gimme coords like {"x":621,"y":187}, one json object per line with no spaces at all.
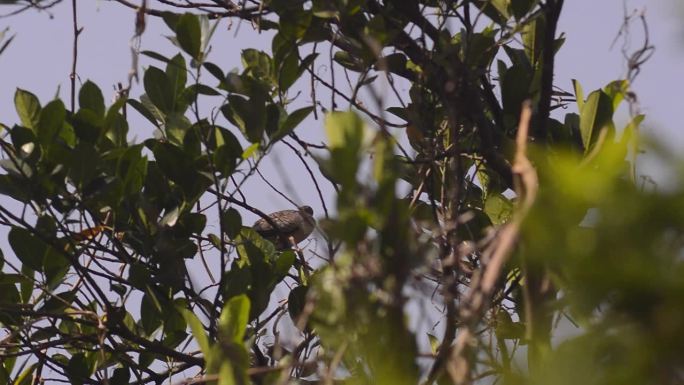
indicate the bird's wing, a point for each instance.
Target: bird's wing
{"x":287,"y":222}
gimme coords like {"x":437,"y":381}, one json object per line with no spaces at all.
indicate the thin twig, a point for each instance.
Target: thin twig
{"x":74,"y":59}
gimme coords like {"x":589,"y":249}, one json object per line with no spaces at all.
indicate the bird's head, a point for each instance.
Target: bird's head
{"x":306,"y":209}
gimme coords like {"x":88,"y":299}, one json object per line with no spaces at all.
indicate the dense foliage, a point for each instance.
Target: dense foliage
{"x":479,"y":234}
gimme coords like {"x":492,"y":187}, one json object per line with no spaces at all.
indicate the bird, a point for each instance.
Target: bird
{"x":292,"y":227}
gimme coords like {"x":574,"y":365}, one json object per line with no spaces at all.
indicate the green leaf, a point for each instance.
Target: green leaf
{"x":28,"y":108}
{"x":24,"y":139}
{"x":215,"y":70}
{"x":30,"y":249}
{"x":17,"y":167}
{"x":26,"y":285}
{"x":481,"y":49}
{"x":596,"y":113}
{"x":176,"y":72}
{"x":296,"y":302}
{"x":434,"y":343}
{"x":232,"y":222}
{"x":349,"y":61}
{"x":83,"y":164}
{"x":51,"y":121}
{"x":170,"y":218}
{"x":518,"y":58}
{"x":275,"y":116}
{"x":150,"y":313}
{"x":177,"y":125}
{"x":5,"y":370}
{"x":248,"y":115}
{"x":133,"y":169}
{"x":189,"y":34}
{"x":226,"y":374}
{"x":58,"y":302}
{"x":207,"y":31}
{"x":228,"y":153}
{"x":116,"y":129}
{"x":289,"y":70}
{"x":138,"y":276}
{"x":633,"y":126}
{"x":155,"y":55}
{"x":179,"y":166}
{"x":617,"y":90}
{"x":250,"y":151}
{"x":532,"y":35}
{"x":579,"y":94}
{"x":331,"y":302}
{"x":201,"y":89}
{"x":154,"y":110}
{"x":506,"y":328}
{"x":283,"y":263}
{"x":258,"y":63}
{"x":87,"y":125}
{"x":90,"y":97}
{"x":291,"y":122}
{"x":515,"y":88}
{"x":325,"y":9}
{"x":294,"y":22}
{"x":55,"y":266}
{"x":197,"y":330}
{"x":307,"y":61}
{"x":171,"y":19}
{"x":344,"y":130}
{"x":498,"y":208}
{"x":293,"y":119}
{"x":238,"y":279}
{"x":234,"y":318}
{"x":13,"y":187}
{"x":120,"y":376}
{"x":252,"y":247}
{"x":46,"y":226}
{"x":400,"y":112}
{"x":225,"y":159}
{"x":194,"y":222}
{"x":159,"y":89}
{"x":118,"y":289}
{"x":144,"y":111}
{"x":172,"y":161}
{"x":490,"y":181}
{"x":520,"y":8}
{"x":395,"y":63}
{"x":78,"y":368}
{"x":10,"y":295}
{"x":215,"y":241}
{"x":502,"y":7}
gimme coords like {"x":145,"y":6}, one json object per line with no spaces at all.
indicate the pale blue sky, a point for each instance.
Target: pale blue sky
{"x":39,"y":58}
{"x":587,"y":56}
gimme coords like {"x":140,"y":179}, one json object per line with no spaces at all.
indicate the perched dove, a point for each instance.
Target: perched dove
{"x":292,"y":226}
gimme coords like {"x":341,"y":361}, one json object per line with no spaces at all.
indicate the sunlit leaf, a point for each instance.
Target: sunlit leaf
{"x":234,"y":318}
{"x":28,"y":108}
{"x":197,"y":329}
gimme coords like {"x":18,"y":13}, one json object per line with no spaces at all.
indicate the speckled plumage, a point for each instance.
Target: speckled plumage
{"x":295,"y":224}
